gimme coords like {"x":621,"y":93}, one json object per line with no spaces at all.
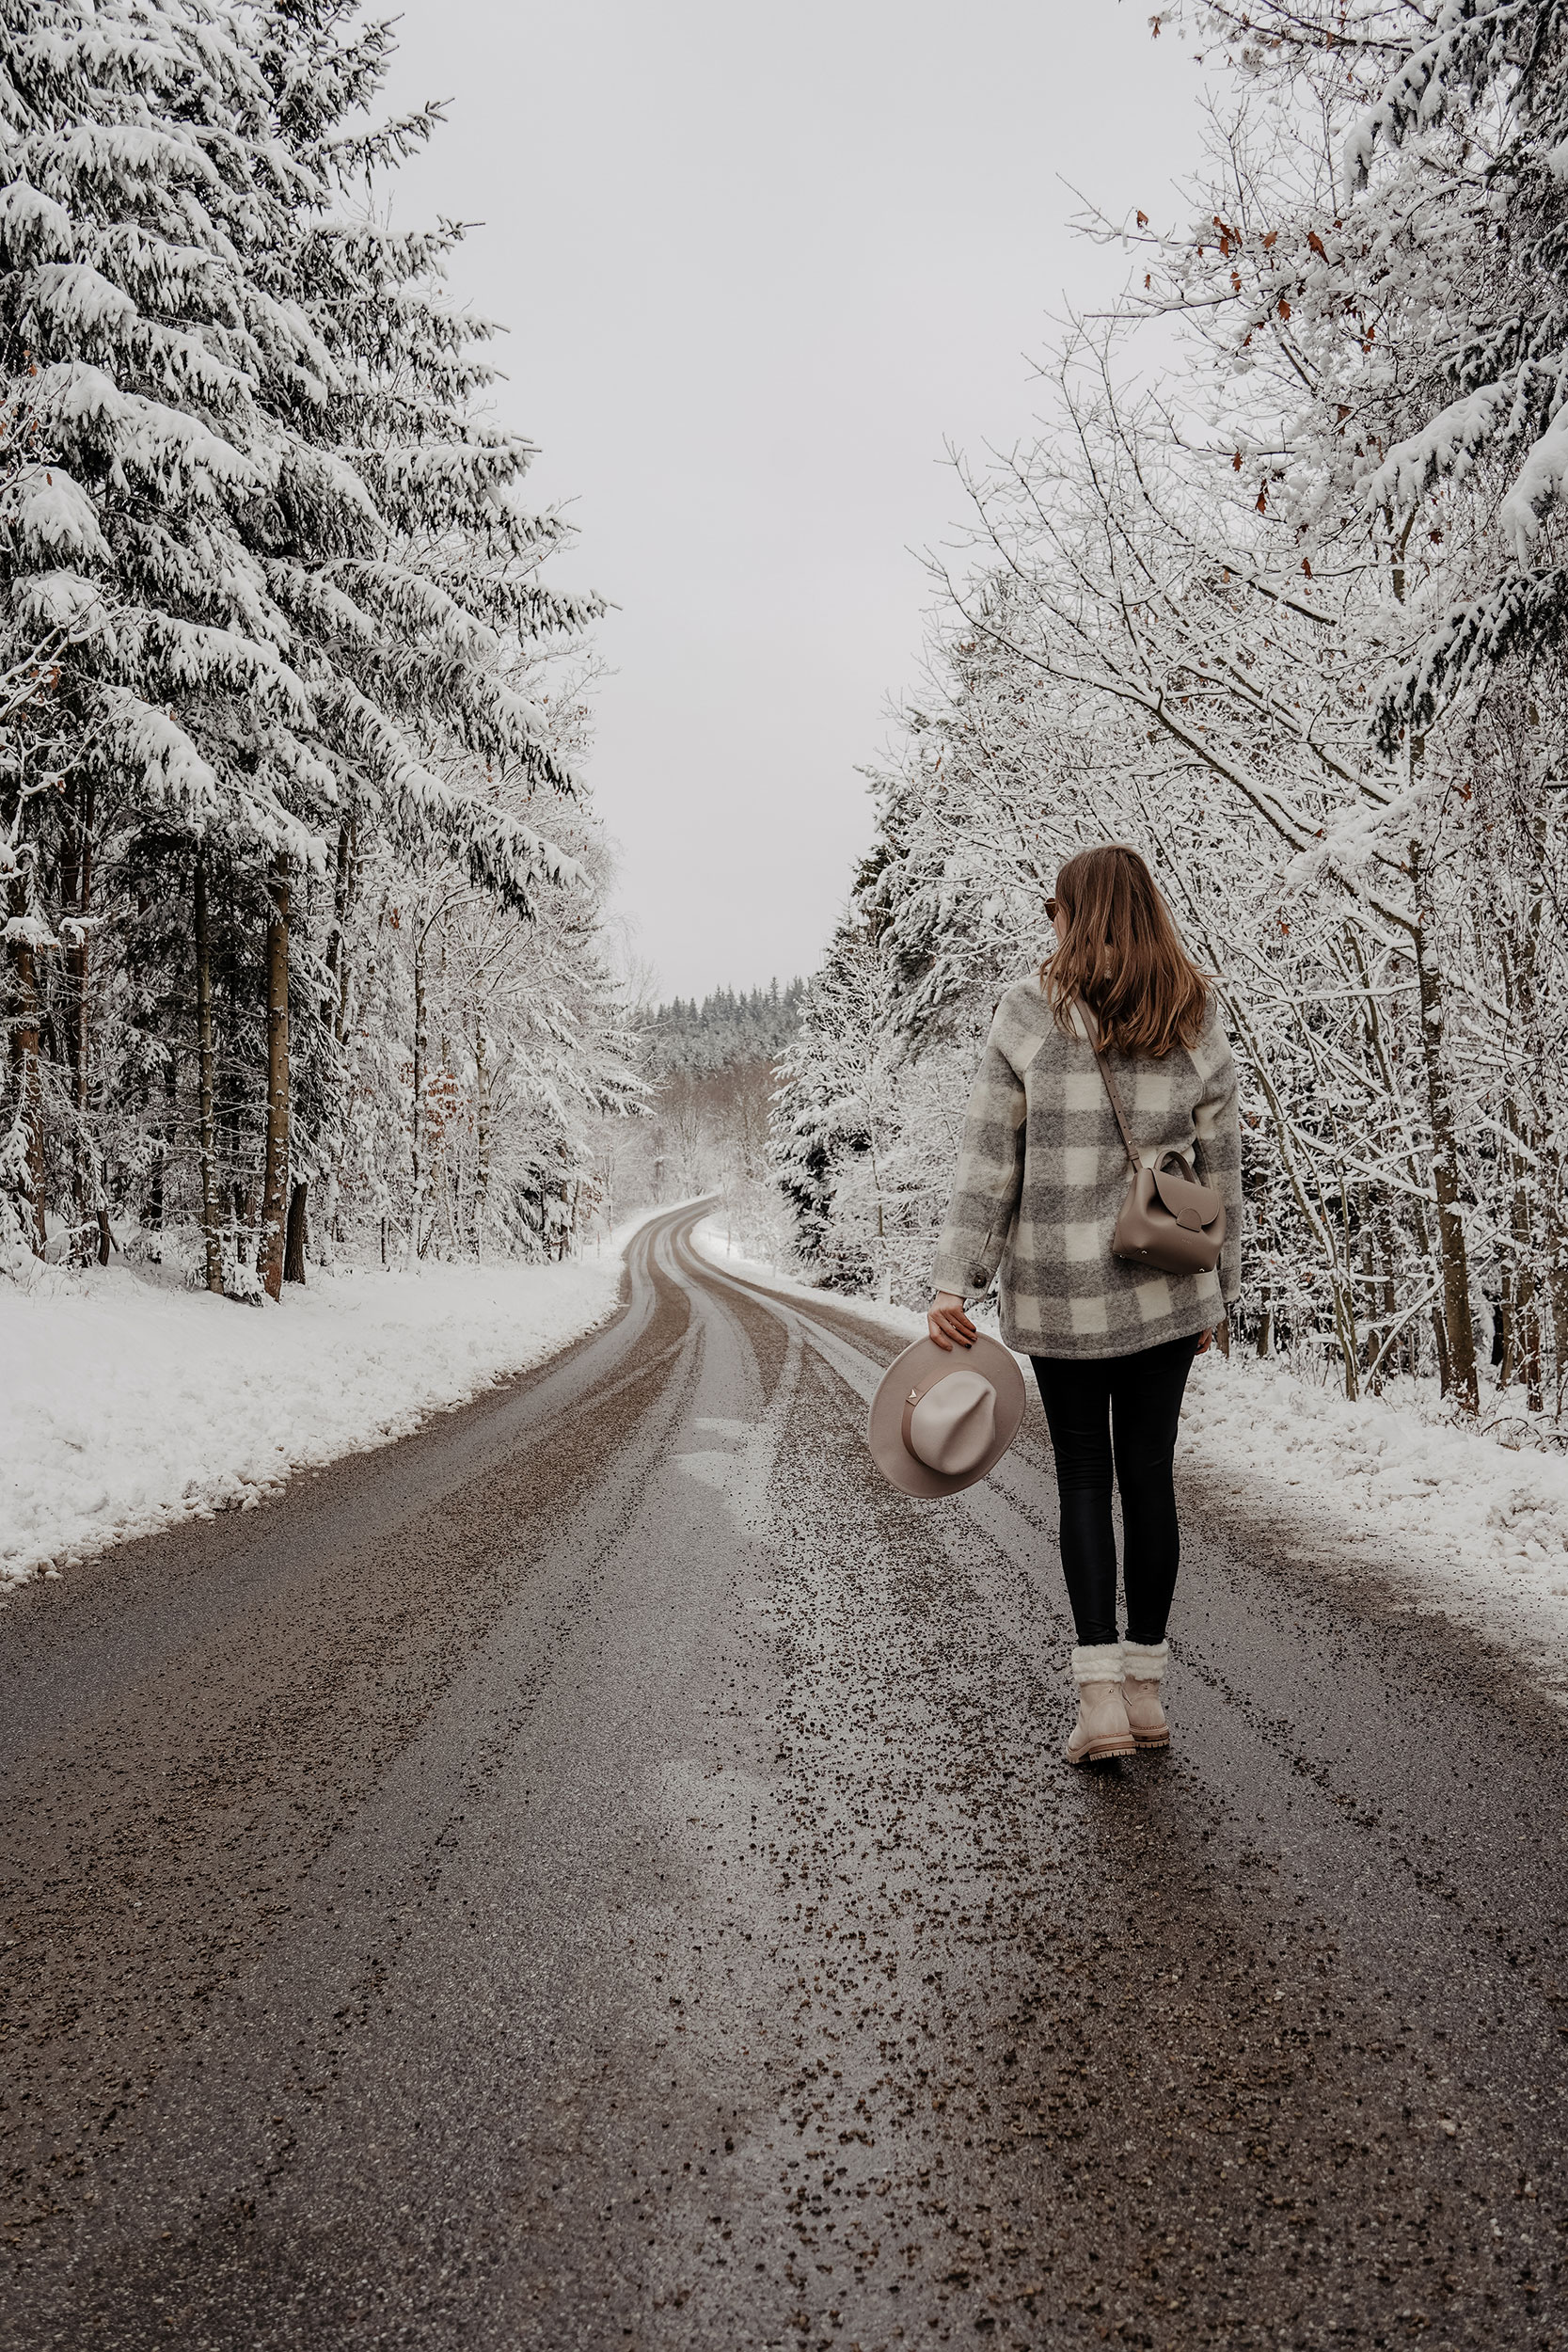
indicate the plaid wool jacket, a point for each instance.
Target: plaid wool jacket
{"x":1042,"y":1175}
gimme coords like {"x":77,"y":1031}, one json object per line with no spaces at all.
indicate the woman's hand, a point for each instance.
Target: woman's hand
{"x":946,"y":1324}
{"x":1204,"y":1338}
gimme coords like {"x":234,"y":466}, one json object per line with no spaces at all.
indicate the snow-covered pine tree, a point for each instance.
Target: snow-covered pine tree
{"x":861,"y":1148}
{"x":117,"y":302}
{"x":725,"y":1027}
{"x":294,"y":578}
{"x":411,"y":577}
{"x":35,"y":632}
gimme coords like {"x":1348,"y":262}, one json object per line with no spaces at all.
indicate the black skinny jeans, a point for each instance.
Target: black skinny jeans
{"x":1140,"y":1397}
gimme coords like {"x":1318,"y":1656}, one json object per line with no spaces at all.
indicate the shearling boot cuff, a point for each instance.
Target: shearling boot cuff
{"x":1145,"y":1662}
{"x":1101,"y":1661}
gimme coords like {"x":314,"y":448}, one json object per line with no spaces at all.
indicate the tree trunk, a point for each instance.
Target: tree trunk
{"x":1557,"y":1293}
{"x":231,"y":1145}
{"x":157,"y":1201}
{"x":421,"y":1044}
{"x":153,"y":1215}
{"x":1527,"y":1312}
{"x":1522,"y":1348}
{"x":442,"y":1156}
{"x":1344,"y":1302}
{"x":448,"y":1219}
{"x":294,"y":1249}
{"x":27,"y":1073}
{"x":1458,"y":1329}
{"x":1527,"y":1114}
{"x":1390,"y":1081}
{"x":334,"y":1011}
{"x":1390,"y":1295}
{"x":211,"y":1238}
{"x":76,"y":884}
{"x":334,"y":958}
{"x":481,"y":1102}
{"x":1371,"y":1329}
{"x":337,"y":1015}
{"x":277,"y":1170}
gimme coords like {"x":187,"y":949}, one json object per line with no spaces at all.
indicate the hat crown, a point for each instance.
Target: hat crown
{"x":938,"y":1423}
{"x":953,"y":1427}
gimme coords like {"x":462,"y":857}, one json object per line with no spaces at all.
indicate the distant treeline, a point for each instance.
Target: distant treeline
{"x":724,"y":1029}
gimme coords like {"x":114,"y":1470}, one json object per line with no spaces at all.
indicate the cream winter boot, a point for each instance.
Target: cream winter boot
{"x":1143,"y":1666}
{"x":1102,"y":1729}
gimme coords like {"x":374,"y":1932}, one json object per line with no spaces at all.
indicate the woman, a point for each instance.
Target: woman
{"x":1042,"y":1175}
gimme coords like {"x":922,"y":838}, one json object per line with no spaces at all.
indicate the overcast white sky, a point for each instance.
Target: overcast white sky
{"x":759,"y":265}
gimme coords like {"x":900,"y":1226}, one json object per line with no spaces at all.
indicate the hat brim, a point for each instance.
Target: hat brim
{"x":914,"y":1368}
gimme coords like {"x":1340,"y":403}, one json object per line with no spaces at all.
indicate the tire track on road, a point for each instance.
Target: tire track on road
{"x":672,"y":1923}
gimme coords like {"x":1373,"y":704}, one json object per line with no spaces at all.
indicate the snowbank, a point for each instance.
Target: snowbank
{"x":125,"y":1404}
{"x":1447,"y":1517}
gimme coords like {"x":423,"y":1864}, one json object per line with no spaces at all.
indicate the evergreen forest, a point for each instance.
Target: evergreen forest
{"x":302,"y":885}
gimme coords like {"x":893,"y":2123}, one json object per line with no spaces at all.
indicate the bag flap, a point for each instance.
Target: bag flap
{"x":1192,"y":1204}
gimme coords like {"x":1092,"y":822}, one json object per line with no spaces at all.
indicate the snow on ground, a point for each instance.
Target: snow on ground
{"x":1447,"y":1518}
{"x":126,"y":1404}
{"x":713,"y":1243}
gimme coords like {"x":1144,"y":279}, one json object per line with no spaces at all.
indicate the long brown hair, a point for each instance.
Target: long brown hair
{"x":1123,"y":956}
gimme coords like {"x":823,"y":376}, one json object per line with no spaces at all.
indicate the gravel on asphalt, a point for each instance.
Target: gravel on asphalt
{"x":602,"y":1872}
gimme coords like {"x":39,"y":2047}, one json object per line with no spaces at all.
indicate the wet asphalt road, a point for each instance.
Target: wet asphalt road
{"x":601,"y":1873}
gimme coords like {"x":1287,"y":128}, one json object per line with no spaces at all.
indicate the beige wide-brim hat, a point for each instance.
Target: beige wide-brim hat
{"x":940,"y":1422}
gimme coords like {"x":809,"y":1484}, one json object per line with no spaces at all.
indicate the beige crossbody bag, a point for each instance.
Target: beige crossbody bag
{"x":1168,"y":1219}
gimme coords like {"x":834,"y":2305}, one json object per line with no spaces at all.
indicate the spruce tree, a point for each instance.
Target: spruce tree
{"x":273,"y":593}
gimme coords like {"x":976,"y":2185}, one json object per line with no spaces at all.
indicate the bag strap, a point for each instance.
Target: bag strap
{"x":1091,"y":1031}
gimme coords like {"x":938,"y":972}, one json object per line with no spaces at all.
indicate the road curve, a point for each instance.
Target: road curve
{"x":601,"y":1873}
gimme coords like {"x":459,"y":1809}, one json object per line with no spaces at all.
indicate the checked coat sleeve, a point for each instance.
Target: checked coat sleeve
{"x":990,"y":1177}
